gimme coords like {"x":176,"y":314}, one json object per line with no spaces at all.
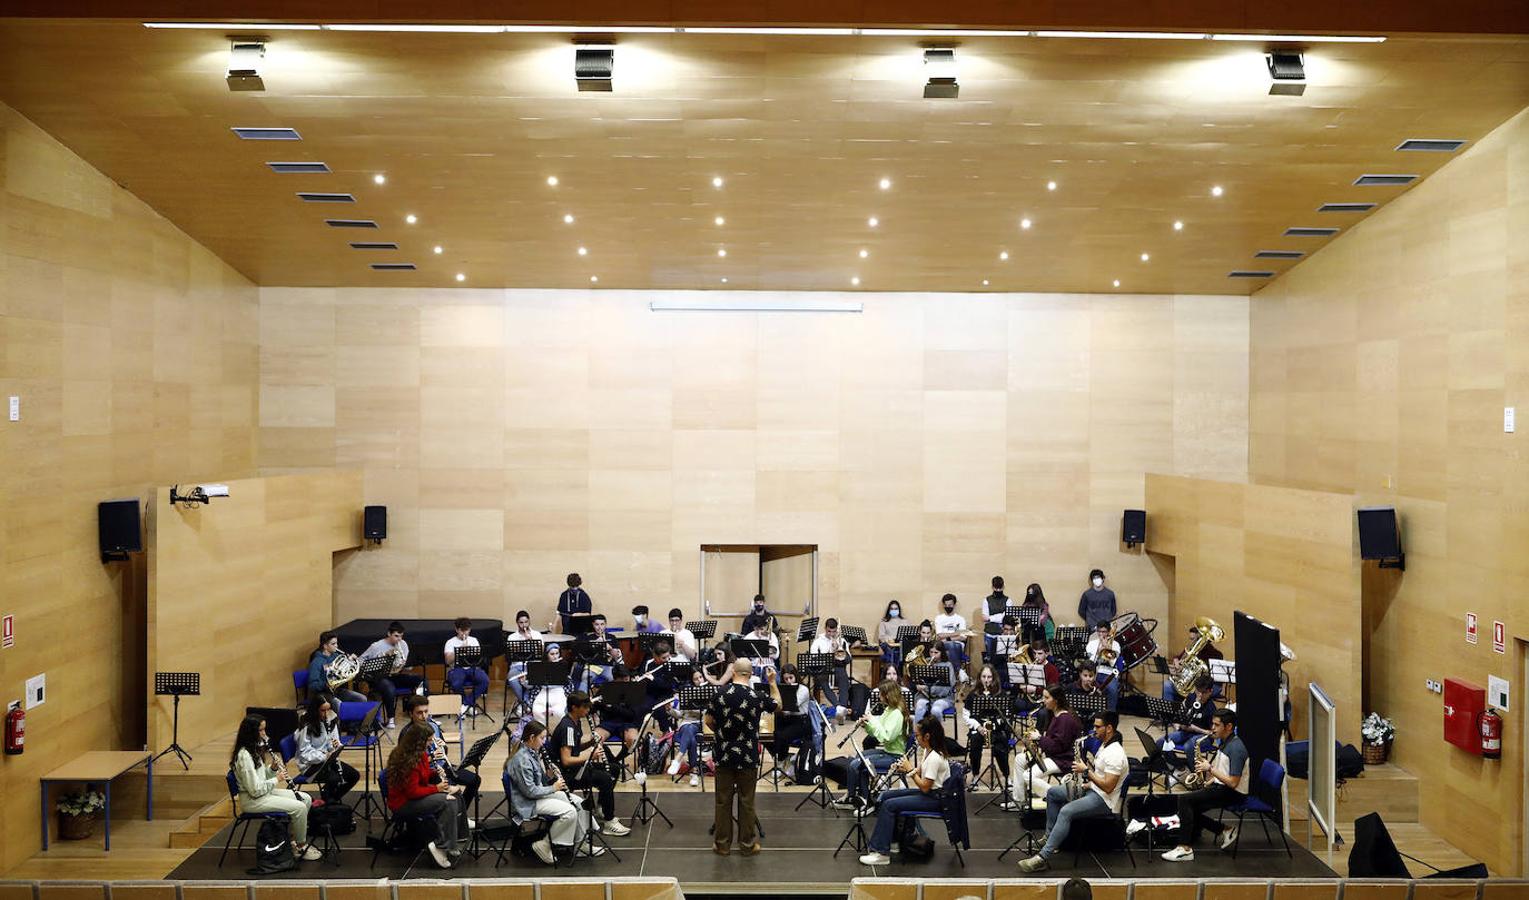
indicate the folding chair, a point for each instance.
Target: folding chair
{"x":243,"y":820}
{"x":1271,"y":775}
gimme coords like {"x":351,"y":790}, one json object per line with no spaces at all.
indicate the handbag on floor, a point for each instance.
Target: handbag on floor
{"x":273,"y":848}
{"x":337,"y":818}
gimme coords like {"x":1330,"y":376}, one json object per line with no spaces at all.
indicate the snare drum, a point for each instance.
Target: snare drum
{"x":1135,"y":636}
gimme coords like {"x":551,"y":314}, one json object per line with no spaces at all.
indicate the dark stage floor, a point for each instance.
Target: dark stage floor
{"x":797,"y":858}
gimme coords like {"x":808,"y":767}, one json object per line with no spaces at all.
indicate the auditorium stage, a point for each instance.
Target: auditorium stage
{"x":797,"y":857}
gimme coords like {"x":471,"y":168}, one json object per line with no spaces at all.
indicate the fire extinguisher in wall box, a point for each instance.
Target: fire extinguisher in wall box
{"x":15,"y":730}
{"x":1491,"y":734}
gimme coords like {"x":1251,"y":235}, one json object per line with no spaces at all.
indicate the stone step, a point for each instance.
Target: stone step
{"x":1386,"y":789}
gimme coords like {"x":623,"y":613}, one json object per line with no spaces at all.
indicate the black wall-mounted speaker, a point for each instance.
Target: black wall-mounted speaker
{"x":120,"y":527}
{"x":1133,"y":526}
{"x":1379,"y":538}
{"x":374,"y":523}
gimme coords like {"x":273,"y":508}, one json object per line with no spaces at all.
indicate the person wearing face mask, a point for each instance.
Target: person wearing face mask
{"x":758,"y":613}
{"x":993,"y":609}
{"x":642,"y":624}
{"x":886,"y":636}
{"x":950,"y":630}
{"x":1097,"y":604}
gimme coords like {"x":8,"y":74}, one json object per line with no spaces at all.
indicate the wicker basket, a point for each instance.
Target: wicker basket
{"x":1376,"y":754}
{"x":76,"y":828}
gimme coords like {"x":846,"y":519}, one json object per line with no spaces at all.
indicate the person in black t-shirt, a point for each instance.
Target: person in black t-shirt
{"x":573,"y":746}
{"x":733,"y":717}
{"x":1194,"y":716}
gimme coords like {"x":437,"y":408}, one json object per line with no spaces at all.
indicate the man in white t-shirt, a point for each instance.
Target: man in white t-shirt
{"x":831,"y":642}
{"x":950,"y":629}
{"x":686,"y":649}
{"x":523,"y":632}
{"x":1107,"y":783}
{"x":469,"y":681}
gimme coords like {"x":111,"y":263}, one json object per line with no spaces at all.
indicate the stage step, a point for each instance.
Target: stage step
{"x":1386,"y":789}
{"x":177,"y":794}
{"x":198,"y":828}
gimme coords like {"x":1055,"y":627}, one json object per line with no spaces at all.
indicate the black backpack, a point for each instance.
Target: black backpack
{"x":915,"y":846}
{"x":336,"y":818}
{"x":809,"y":764}
{"x":273,"y":848}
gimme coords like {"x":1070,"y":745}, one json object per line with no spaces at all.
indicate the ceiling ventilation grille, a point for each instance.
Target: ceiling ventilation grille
{"x":320,"y":197}
{"x":268,"y":134}
{"x":1426,"y":145}
{"x":1383,"y":180}
{"x":1249,"y":273}
{"x":1310,"y":232}
{"x":1345,"y":207}
{"x":350,"y":223}
{"x":298,"y":168}
{"x":1279,"y":254}
{"x":373,"y":245}
{"x":393,"y":267}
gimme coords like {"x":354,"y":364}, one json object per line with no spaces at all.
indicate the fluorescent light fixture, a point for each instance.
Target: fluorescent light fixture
{"x":756,"y":306}
{"x":422,"y":29}
{"x":1303,"y":38}
{"x":1128,"y":35}
{"x":1287,"y":73}
{"x":244,"y":58}
{"x":940,"y":67}
{"x":588,"y":29}
{"x":938,"y":32}
{"x":232,"y":26}
{"x":747,"y":30}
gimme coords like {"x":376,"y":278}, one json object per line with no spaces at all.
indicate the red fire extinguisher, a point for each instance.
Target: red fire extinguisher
{"x":15,"y":730}
{"x":1491,"y":734}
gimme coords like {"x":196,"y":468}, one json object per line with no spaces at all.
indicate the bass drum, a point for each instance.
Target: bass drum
{"x":1135,"y":636}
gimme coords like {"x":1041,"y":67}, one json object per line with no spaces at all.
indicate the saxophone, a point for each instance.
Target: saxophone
{"x":1195,"y":779}
{"x":1076,"y":784}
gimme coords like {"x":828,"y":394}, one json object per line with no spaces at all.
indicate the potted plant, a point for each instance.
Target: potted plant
{"x":1378,"y":733}
{"x":77,"y":814}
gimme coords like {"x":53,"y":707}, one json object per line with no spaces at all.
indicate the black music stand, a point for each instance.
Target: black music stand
{"x":1092,"y":704}
{"x":470,"y":657}
{"x":474,"y":758}
{"x":518,"y":651}
{"x":375,"y":669}
{"x":853,"y":634}
{"x":807,"y":630}
{"x":176,"y":685}
{"x":992,"y":708}
{"x":581,"y":624}
{"x":368,"y":737}
{"x":1160,"y":711}
{"x":819,"y":794}
{"x":786,"y":705}
{"x":751,"y":648}
{"x":542,"y":675}
{"x":703,"y":629}
{"x":1030,"y":623}
{"x":647,"y":808}
{"x":697,"y":698}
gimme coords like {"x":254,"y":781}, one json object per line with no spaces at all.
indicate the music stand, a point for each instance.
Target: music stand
{"x":474,"y":758}
{"x":471,"y":657}
{"x":697,"y":698}
{"x":1160,"y":711}
{"x":1030,"y":622}
{"x":807,"y":630}
{"x":703,"y":629}
{"x":750,"y":648}
{"x":787,"y":705}
{"x":542,"y":675}
{"x":517,"y":650}
{"x":876,"y":707}
{"x":175,"y":685}
{"x":647,"y":807}
{"x":1092,"y":704}
{"x":375,"y":669}
{"x":1029,"y":677}
{"x":853,"y":634}
{"x":366,"y":732}
{"x":581,"y":623}
{"x":821,"y":786}
{"x":1223,"y":671}
{"x":1155,"y":761}
{"x":992,"y":708}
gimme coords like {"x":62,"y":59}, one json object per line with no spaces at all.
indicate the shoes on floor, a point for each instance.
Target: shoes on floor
{"x":614,"y":828}
{"x":392,"y":724}
{"x":845,"y":803}
{"x":721,"y":851}
{"x":694,"y":779}
{"x":875,"y":859}
{"x":1228,"y":838}
{"x":1136,"y":826}
{"x":472,"y":824}
{"x":439,"y":855}
{"x":543,"y":851}
{"x":1178,"y":854}
{"x":1036,"y":863}
{"x":587,"y":852}
{"x":674,"y":767}
{"x":1039,"y":803}
{"x":312,"y":853}
{"x":750,"y":850}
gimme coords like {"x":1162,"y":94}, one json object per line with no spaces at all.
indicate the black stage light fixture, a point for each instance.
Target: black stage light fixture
{"x":1287,"y":68}
{"x":593,"y":66}
{"x":940,"y":66}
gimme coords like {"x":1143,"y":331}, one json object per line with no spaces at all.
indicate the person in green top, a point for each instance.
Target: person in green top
{"x":889,"y":731}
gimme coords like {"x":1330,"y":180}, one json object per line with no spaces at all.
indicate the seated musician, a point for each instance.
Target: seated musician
{"x":1105,"y":782}
{"x":934,"y":699}
{"x":317,"y":740}
{"x":950,"y":629}
{"x":886,"y":635}
{"x":1104,"y":650}
{"x":417,"y":708}
{"x":887,"y":735}
{"x":793,"y":726}
{"x":470,"y":682}
{"x":523,"y":632}
{"x":758,"y":611}
{"x":686,"y":647}
{"x":1088,"y":683}
{"x":998,"y":732}
{"x":717,"y":665}
{"x":1036,"y":654}
{"x":573,"y":746}
{"x":1062,"y":729}
{"x":392,"y":645}
{"x":618,"y":720}
{"x":548,"y":702}
{"x":318,"y":681}
{"x":658,"y":674}
{"x":263,"y":787}
{"x":1194,"y":716}
{"x":642,"y":624}
{"x":1223,"y":768}
{"x":762,"y":632}
{"x":836,"y":689}
{"x":1207,"y":653}
{"x":599,"y":673}
{"x":928,"y":777}
{"x":537,"y":789}
{"x":687,"y":733}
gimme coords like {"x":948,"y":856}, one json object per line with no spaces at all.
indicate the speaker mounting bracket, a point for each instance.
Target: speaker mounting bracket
{"x":1400,"y":563}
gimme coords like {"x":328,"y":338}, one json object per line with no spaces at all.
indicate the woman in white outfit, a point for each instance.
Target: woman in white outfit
{"x":262,"y":781}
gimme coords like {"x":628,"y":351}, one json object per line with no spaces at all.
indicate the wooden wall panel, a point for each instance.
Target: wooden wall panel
{"x":924,"y":445}
{"x":135,"y":354}
{"x":1380,"y":367}
{"x":239,"y":590}
{"x":1285,"y":555}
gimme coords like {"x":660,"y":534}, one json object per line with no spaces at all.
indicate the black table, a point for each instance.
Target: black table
{"x":426,"y":637}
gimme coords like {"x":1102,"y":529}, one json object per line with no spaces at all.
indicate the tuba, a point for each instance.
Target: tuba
{"x":341,"y":670}
{"x":1190,"y":670}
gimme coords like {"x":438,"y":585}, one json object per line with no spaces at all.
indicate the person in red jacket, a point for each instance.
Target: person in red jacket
{"x":415,"y":790}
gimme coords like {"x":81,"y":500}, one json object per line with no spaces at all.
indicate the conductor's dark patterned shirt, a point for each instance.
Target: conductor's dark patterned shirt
{"x":735,"y":710}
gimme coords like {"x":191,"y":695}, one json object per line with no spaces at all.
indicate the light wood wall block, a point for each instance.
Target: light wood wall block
{"x":135,"y":354}
{"x":1157,"y":890}
{"x":1283,"y":555}
{"x":1024,"y":890}
{"x":1380,"y":368}
{"x":924,"y":445}
{"x":1228,"y":890}
{"x":239,"y":590}
{"x":884,"y":889}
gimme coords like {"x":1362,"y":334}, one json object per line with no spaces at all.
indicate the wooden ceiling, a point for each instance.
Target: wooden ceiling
{"x":467,"y":128}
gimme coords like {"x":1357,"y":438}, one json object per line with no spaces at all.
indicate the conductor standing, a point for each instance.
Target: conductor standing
{"x":733,"y":716}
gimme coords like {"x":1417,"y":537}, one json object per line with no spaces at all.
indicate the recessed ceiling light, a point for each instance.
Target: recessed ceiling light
{"x":411,"y":218}
{"x":873,"y":221}
{"x":461,"y":276}
{"x":886,"y":184}
{"x":1215,"y":190}
{"x":855,"y":281}
{"x":1003,"y":254}
{"x":583,"y":251}
{"x":439,"y":249}
{"x":721,"y":251}
{"x":864,"y":253}
{"x":1145,"y":257}
{"x":1025,"y":224}
{"x":724,"y":281}
{"x":380,"y":178}
{"x":984,"y":282}
{"x":567,"y":218}
{"x":1117,"y":282}
{"x":720,"y":221}
{"x":716,"y":181}
{"x":1178,"y":226}
{"x":1051,"y":185}
{"x":594,"y":279}
{"x":551,"y":181}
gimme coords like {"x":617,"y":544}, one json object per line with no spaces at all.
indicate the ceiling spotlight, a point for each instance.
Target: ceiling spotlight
{"x":583,"y":251}
{"x":461,"y":276}
{"x":716,"y":181}
{"x":1216,"y":191}
{"x":551,"y":181}
{"x":1051,"y":185}
{"x":567,"y":218}
{"x":724,"y":281}
{"x":886,"y":184}
{"x":1003,"y":254}
{"x":873,"y":221}
{"x":594,"y":279}
{"x":855,"y":282}
{"x":1117,"y":282}
{"x":439,"y":249}
{"x":1178,"y":226}
{"x":1025,"y":224}
{"x":864,"y":253}
{"x":379,"y":178}
{"x":1145,"y":257}
{"x":244,"y":58}
{"x":940,"y":66}
{"x":1287,"y":69}
{"x":721,"y":251}
{"x":593,"y":65}
{"x":984,"y":282}
{"x":720,"y":221}
{"x":411,"y":218}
